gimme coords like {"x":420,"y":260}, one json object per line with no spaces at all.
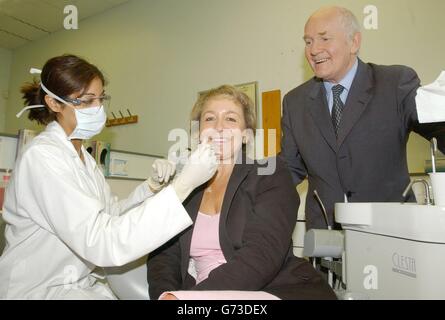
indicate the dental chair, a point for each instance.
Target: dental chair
{"x":384,"y":250}
{"x":129,"y":282}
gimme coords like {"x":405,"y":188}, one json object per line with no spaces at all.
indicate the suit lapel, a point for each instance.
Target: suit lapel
{"x":319,"y":110}
{"x":240,"y":172}
{"x":358,"y":98}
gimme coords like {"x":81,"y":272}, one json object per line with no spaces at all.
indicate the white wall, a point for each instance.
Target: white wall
{"x":157,"y":54}
{"x":5,"y":68}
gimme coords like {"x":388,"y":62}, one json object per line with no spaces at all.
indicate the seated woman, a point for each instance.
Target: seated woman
{"x":241,"y":240}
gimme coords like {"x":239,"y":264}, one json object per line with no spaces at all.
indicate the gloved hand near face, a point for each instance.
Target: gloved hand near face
{"x":200,"y":167}
{"x":162,"y":172}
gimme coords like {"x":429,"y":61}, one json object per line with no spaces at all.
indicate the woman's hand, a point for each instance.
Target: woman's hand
{"x":162,"y":171}
{"x":200,"y":167}
{"x":168,"y":296}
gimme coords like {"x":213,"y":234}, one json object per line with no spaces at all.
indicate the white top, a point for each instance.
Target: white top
{"x":63,"y":221}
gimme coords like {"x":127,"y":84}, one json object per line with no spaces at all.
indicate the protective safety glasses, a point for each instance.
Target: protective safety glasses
{"x":90,"y":101}
{"x":85,"y":102}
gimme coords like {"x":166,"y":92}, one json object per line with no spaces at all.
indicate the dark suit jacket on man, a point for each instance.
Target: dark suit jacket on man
{"x":257,"y":219}
{"x":367,"y":162}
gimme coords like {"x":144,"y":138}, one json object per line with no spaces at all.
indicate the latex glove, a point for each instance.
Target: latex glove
{"x":179,"y":159}
{"x":200,"y":167}
{"x":162,"y":171}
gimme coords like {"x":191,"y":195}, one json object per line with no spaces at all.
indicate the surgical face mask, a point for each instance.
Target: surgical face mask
{"x":90,"y":121}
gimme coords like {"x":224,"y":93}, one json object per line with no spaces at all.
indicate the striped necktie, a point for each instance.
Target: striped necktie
{"x":337,"y":107}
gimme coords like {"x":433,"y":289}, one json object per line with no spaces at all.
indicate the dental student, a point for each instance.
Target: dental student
{"x":62,"y":219}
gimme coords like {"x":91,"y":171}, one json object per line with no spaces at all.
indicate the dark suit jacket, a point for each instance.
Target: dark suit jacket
{"x":257,"y":219}
{"x":367,"y":162}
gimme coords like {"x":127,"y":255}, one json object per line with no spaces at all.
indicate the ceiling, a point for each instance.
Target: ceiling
{"x":23,"y":21}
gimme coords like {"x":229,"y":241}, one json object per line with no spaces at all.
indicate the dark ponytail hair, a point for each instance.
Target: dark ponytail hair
{"x":63,"y":75}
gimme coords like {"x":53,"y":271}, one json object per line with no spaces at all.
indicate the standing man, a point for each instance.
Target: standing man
{"x":347,"y":128}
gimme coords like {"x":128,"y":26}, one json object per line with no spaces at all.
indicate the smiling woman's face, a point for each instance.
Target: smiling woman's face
{"x":222,"y":124}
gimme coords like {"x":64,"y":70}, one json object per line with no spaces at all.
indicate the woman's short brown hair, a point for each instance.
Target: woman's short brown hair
{"x":227,"y":92}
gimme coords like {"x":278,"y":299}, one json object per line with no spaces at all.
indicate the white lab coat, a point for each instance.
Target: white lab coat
{"x":63,"y":221}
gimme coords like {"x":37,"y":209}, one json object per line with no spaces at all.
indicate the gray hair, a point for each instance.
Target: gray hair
{"x":350,"y":22}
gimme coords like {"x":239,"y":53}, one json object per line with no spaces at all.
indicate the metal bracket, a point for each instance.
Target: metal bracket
{"x":334,"y":266}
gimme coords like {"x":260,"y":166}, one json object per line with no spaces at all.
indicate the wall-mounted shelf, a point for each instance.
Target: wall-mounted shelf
{"x":122,"y":120}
